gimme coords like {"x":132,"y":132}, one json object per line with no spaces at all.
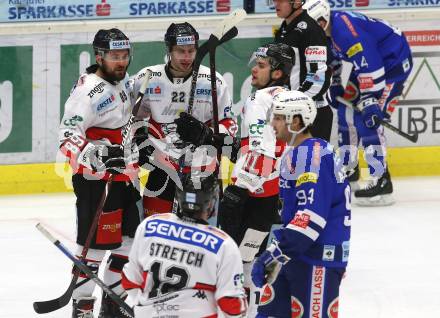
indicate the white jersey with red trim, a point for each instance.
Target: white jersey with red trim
{"x":166,"y":97}
{"x":178,"y":268}
{"x":96,"y":110}
{"x":256,"y":168}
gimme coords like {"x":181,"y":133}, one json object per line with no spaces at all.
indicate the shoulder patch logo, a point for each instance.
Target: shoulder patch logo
{"x":302,"y":25}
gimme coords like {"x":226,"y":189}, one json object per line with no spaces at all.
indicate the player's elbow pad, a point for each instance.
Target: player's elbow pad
{"x":233,"y":306}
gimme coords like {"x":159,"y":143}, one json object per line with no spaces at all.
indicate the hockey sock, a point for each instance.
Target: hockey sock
{"x":85,"y":286}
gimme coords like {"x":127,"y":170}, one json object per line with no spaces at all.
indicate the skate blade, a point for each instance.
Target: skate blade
{"x":378,"y":200}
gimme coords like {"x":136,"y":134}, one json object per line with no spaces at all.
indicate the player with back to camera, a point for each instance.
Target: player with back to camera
{"x":382,"y":62}
{"x":181,"y":266}
{"x":302,"y":269}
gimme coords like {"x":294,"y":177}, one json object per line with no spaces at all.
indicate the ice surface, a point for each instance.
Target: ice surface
{"x":394,"y":266}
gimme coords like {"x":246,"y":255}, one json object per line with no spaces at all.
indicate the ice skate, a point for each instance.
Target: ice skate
{"x":377,"y":193}
{"x":83,"y":307}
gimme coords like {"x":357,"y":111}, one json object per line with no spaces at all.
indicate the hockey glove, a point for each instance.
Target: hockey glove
{"x":335,"y":90}
{"x":228,"y":145}
{"x":109,"y":158}
{"x":371,"y":112}
{"x":230,"y":210}
{"x":268,"y":265}
{"x":145,"y":147}
{"x":193,"y":130}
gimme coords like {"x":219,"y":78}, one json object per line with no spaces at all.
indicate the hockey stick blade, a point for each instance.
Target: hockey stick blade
{"x":413,"y":138}
{"x":83,"y":267}
{"x":44,"y":307}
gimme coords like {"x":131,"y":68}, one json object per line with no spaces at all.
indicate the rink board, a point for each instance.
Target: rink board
{"x":48,"y":177}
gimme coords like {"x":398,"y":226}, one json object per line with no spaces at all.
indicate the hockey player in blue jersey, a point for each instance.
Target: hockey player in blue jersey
{"x":381,"y":59}
{"x":302,"y":269}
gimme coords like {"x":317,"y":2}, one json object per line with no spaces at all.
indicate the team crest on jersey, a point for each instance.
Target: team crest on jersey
{"x":267,"y":295}
{"x":296,"y":308}
{"x":274,"y":91}
{"x":302,"y":25}
{"x":333,"y":308}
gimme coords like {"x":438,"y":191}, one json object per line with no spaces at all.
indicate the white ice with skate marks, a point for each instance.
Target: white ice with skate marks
{"x":393,"y":268}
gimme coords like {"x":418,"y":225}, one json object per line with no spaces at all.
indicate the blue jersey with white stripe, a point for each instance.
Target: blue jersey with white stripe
{"x":377,"y":50}
{"x":316,"y":205}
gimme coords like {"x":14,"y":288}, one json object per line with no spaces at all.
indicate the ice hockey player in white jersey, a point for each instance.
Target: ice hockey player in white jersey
{"x":166,"y":97}
{"x":182,"y":267}
{"x":249,"y":207}
{"x":90,"y":137}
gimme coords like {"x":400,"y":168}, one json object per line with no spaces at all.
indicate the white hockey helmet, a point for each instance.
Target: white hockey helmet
{"x":294,"y":103}
{"x":318,"y":9}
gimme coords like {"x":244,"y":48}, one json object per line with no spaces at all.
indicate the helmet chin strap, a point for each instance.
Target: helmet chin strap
{"x":292,"y":2}
{"x":294,"y":133}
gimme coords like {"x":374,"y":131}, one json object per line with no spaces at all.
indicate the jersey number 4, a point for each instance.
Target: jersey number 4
{"x":166,"y":280}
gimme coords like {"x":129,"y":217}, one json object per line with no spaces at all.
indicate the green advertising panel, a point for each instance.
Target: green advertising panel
{"x":16,"y":99}
{"x":231,"y":57}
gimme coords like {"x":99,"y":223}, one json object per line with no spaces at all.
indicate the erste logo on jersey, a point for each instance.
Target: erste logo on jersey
{"x":184,"y":234}
{"x":154,"y":89}
{"x":107,"y":101}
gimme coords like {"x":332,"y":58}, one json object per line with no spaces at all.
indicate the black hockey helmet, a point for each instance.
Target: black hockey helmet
{"x":113,"y":39}
{"x":281,"y":56}
{"x":198,"y":194}
{"x":271,"y":6}
{"x":181,"y":34}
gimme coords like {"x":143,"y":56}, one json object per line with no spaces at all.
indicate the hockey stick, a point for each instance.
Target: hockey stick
{"x":412,"y":138}
{"x":203,"y":49}
{"x":127,"y":128}
{"x":83,"y":267}
{"x":223,"y":33}
{"x":219,"y":33}
{"x":215,"y":122}
{"x":43,"y":307}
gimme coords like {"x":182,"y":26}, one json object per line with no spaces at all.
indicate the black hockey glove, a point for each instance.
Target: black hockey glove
{"x":228,"y":145}
{"x":231,"y":210}
{"x":110,"y":158}
{"x":193,"y":131}
{"x":145,"y":147}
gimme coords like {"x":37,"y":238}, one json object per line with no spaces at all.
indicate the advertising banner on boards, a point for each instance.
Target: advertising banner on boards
{"x":62,"y":10}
